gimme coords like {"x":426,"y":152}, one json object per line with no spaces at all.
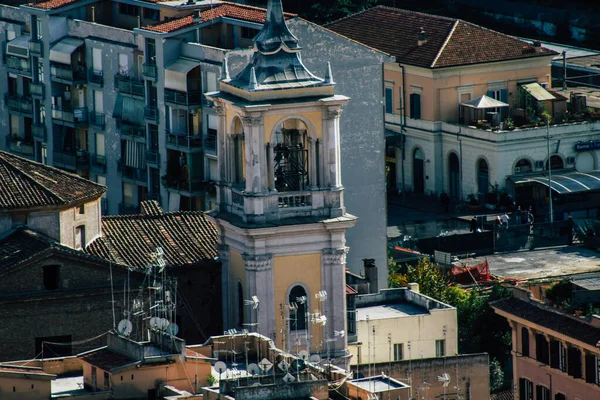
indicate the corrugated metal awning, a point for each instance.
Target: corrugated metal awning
{"x":563,"y":182}
{"x":19,"y":46}
{"x":176,"y":74}
{"x":538,"y":92}
{"x":61,"y":51}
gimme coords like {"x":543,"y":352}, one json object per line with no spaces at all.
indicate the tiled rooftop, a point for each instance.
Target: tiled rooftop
{"x":186,"y":237}
{"x":106,"y":359}
{"x":449,"y":41}
{"x":26,"y":184}
{"x":52,"y":4}
{"x":230,"y":10}
{"x":550,"y":319}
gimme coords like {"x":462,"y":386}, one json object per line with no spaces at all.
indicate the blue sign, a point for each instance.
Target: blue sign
{"x":585,"y":146}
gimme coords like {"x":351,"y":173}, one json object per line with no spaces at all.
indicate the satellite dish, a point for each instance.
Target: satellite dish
{"x":173,"y":329}
{"x":125,"y":327}
{"x":220,"y":367}
{"x":265,"y":365}
{"x":163,"y":323}
{"x":153,"y":322}
{"x":303,"y":354}
{"x":298,"y":365}
{"x":253,"y":369}
{"x":288,"y":378}
{"x":314,"y":359}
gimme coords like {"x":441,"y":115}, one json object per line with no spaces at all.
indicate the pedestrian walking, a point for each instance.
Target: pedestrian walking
{"x":505,"y":219}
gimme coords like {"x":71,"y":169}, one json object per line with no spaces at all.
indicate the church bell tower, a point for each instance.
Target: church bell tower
{"x":280,"y":207}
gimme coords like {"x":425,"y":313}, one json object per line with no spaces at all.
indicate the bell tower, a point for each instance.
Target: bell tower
{"x":280,"y":206}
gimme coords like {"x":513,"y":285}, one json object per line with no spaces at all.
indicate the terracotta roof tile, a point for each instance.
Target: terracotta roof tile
{"x":26,"y":184}
{"x":230,"y":10}
{"x":503,"y":395}
{"x":350,"y":290}
{"x":186,"y":237}
{"x":450,"y":42}
{"x":52,"y":4}
{"x":106,"y":359}
{"x":551,"y":319}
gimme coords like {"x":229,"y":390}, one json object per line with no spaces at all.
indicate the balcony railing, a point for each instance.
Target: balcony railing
{"x":37,"y":90}
{"x":68,"y":74}
{"x":95,"y":76}
{"x":151,"y":113}
{"x":72,"y":160}
{"x":192,"y":186}
{"x":294,"y":200}
{"x":128,"y":85}
{"x":137,"y":175}
{"x":19,"y":104}
{"x":210,"y":142}
{"x":75,"y":116}
{"x":174,"y":97}
{"x":184,"y":141}
{"x":18,"y":65}
{"x":36,"y":48}
{"x":131,"y":130}
{"x":39,"y":131}
{"x":97,"y":119}
{"x":19,"y":146}
{"x":149,"y":71}
{"x":153,"y":157}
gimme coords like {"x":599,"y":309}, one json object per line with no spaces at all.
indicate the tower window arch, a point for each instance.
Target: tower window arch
{"x":291,"y":157}
{"x":237,"y":152}
{"x":298,"y":317}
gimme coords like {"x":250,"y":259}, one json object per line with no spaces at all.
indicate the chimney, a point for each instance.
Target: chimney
{"x":371,"y":274}
{"x":537,"y":45}
{"x":414,"y":287}
{"x":422,"y":37}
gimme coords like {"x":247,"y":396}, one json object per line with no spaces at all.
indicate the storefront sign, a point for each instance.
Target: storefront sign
{"x":586,"y":146}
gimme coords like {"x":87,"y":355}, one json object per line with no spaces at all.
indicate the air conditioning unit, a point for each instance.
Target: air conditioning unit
{"x":570,"y":160}
{"x":539,"y":164}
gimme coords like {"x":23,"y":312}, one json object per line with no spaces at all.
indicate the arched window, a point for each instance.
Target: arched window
{"x":483,"y":178}
{"x":237,"y":153}
{"x":298,"y":317}
{"x":556,"y":162}
{"x":240,"y":305}
{"x":523,"y":166}
{"x":290,"y":153}
{"x":525,"y":342}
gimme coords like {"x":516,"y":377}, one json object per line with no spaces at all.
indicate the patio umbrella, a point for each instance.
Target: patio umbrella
{"x":483,"y":103}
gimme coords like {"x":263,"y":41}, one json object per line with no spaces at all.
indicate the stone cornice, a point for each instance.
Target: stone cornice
{"x":334,"y":256}
{"x":261,"y":262}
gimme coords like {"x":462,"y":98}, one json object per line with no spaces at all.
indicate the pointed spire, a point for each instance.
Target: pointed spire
{"x":225,"y":72}
{"x":275,"y":33}
{"x":252,"y":83}
{"x":328,"y":74}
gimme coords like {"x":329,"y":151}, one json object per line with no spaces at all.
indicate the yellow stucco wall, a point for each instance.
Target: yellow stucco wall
{"x":237,"y":272}
{"x":315,"y":118}
{"x":291,"y":270}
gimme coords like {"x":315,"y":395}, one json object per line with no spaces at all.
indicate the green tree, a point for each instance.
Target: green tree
{"x":496,"y":375}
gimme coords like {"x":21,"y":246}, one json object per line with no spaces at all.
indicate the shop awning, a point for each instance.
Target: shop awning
{"x":484,"y":102}
{"x":176,"y":74}
{"x":61,"y":51}
{"x":563,"y":182}
{"x":19,"y":46}
{"x":538,"y":92}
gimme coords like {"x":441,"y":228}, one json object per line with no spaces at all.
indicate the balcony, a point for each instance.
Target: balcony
{"x":95,"y":77}
{"x":39,"y":131}
{"x":174,"y":98}
{"x":133,"y":131}
{"x":183,"y":142}
{"x":37,"y":90}
{"x":129,"y":86}
{"x":153,"y":157}
{"x":72,"y":160}
{"x":294,"y":200}
{"x":19,"y":104}
{"x":132,"y":174}
{"x":19,"y":146}
{"x":210,"y":142}
{"x":186,"y":187}
{"x":18,"y":65}
{"x":149,"y":71}
{"x":128,"y":209}
{"x":36,"y":48}
{"x":151,"y":114}
{"x":71,"y":75}
{"x":99,"y":163}
{"x":74,"y":117}
{"x":97,"y":119}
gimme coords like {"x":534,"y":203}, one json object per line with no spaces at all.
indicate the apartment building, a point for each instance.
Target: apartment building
{"x":555,"y":355}
{"x":114,"y":91}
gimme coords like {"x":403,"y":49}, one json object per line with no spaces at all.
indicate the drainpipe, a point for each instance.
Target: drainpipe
{"x":564,"y":54}
{"x":403,"y":127}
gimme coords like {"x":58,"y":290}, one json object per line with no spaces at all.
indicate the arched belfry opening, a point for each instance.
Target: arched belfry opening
{"x":291,"y":156}
{"x":237,"y":152}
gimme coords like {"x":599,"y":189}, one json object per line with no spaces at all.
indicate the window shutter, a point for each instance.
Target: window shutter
{"x":529,"y":390}
{"x":504,"y":99}
{"x":522,"y":388}
{"x":590,"y":368}
{"x":417,"y":106}
{"x":554,"y":353}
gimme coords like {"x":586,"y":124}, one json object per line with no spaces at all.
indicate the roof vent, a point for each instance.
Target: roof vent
{"x":190,"y":2}
{"x":422,"y":37}
{"x":537,"y":45}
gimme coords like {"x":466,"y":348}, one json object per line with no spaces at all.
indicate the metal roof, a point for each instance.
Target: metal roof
{"x":538,"y":92}
{"x":61,"y":51}
{"x":563,"y":182}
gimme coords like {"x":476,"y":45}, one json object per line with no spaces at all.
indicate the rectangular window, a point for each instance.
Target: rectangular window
{"x":248,"y":33}
{"x":525,"y":389}
{"x":541,"y":349}
{"x":152,"y":14}
{"x":211,"y":82}
{"x":106,"y":381}
{"x":97,"y":59}
{"x":100,"y":145}
{"x":128,"y":9}
{"x":81,"y":209}
{"x":128,"y":194}
{"x":51,"y":277}
{"x":415,"y":106}
{"x":79,"y":237}
{"x":542,"y":393}
{"x":398,"y":351}
{"x":38,"y":28}
{"x":389,"y":100}
{"x":440,"y":348}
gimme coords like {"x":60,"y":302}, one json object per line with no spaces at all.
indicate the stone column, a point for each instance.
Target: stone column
{"x":333,"y":280}
{"x":221,"y":159}
{"x":270,"y":168}
{"x":260,"y":283}
{"x":312,"y":154}
{"x":223,"y":251}
{"x":331,"y":134}
{"x":253,"y":132}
